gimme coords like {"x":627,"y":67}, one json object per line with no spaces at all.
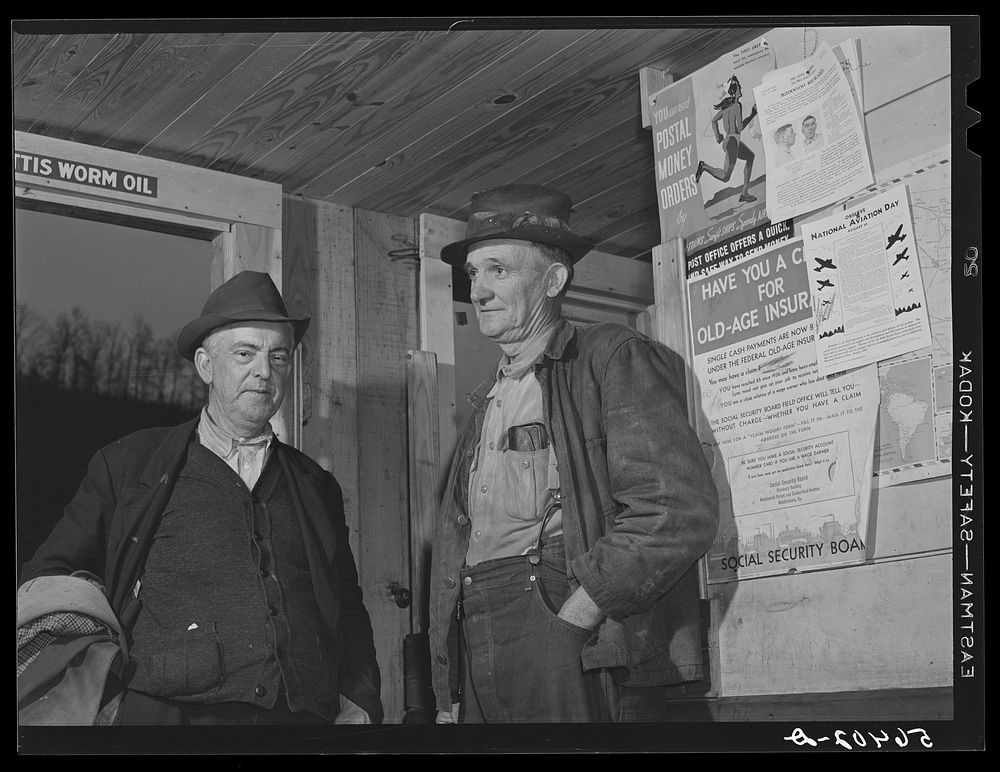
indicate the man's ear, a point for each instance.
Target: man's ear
{"x":203,"y":364}
{"x":555,"y":279}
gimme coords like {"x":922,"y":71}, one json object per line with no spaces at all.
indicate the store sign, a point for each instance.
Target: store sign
{"x":84,"y":174}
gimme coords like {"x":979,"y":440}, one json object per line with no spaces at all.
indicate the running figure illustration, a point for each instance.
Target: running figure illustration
{"x":730,"y":113}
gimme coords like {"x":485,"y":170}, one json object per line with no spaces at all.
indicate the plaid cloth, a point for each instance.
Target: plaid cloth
{"x":33,"y":637}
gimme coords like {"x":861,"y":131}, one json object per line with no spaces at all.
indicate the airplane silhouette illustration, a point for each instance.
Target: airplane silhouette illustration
{"x":894,"y":237}
{"x":905,"y":275}
{"x":825,"y":283}
{"x":900,"y":256}
{"x":824,"y":264}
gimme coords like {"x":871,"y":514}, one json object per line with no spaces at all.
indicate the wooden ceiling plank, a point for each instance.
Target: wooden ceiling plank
{"x":621,"y":222}
{"x":582,"y":102}
{"x":607,"y":172}
{"x":614,"y":204}
{"x":228,"y":134}
{"x":574,"y":170}
{"x":523,"y":80}
{"x":358,"y":94}
{"x":379,"y":140}
{"x":49,"y":74}
{"x":577,"y":155}
{"x":229,"y":92}
{"x":679,"y":49}
{"x":26,"y":54}
{"x":124,"y":54}
{"x":296,"y":98}
{"x":395,"y":95}
{"x":176,"y":81}
{"x":151,"y":69}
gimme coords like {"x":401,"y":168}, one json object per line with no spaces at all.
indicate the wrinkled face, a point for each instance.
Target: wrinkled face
{"x":809,"y":128}
{"x":512,"y":289}
{"x":245,"y":366}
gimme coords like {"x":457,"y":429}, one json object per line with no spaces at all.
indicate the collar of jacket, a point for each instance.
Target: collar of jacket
{"x":558,"y":348}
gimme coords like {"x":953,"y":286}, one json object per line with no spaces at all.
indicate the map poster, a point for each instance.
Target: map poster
{"x":914,"y":438}
{"x":791,"y":450}
{"x":709,"y":161}
{"x":866,"y":286}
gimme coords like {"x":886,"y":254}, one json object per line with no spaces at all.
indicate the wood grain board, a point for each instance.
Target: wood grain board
{"x":393,"y":120}
{"x":880,"y":626}
{"x":386,"y":309}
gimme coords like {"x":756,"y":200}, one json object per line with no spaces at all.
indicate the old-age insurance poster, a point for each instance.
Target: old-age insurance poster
{"x":791,"y":450}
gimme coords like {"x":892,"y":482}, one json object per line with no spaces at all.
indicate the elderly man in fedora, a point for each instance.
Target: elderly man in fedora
{"x":564,"y":582}
{"x":224,"y":552}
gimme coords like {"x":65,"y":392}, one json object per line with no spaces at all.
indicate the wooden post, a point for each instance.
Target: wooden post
{"x":386,"y":310}
{"x":651,"y":80}
{"x":422,"y":409}
{"x":319,"y":280}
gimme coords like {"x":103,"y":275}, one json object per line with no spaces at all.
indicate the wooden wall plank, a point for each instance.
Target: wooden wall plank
{"x":229,"y":91}
{"x":319,"y":280}
{"x":424,"y":462}
{"x":912,"y":518}
{"x":884,"y":705}
{"x":926,"y":114}
{"x":375,"y":141}
{"x":600,"y":274}
{"x":386,"y":308}
{"x":436,"y":329}
{"x":415,"y":76}
{"x":878,"y":626}
{"x":264,"y":114}
{"x":179,"y":77}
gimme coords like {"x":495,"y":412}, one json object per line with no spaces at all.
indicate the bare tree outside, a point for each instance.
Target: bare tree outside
{"x":96,"y":356}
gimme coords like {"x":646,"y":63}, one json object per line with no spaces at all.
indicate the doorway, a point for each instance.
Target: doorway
{"x":97,"y":310}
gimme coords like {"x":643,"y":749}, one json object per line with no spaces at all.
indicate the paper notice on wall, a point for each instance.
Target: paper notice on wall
{"x":791,"y":451}
{"x":914,"y":439}
{"x":709,"y":163}
{"x":865,"y":281}
{"x":814,"y":136}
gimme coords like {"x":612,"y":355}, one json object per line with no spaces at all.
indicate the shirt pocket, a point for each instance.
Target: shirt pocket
{"x":526,"y":478}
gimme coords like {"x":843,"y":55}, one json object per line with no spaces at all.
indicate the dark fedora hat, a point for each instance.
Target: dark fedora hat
{"x":525,"y":212}
{"x":250,"y":296}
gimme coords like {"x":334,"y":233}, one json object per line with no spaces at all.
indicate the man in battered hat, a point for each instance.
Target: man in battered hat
{"x":564,"y":584}
{"x":224,"y":552}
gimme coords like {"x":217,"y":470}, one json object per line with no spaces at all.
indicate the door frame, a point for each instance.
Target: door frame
{"x":239,"y":215}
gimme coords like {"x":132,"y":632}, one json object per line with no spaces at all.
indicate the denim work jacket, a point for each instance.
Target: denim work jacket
{"x":639,"y":504}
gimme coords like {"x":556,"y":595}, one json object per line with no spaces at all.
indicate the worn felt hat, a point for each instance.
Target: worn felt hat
{"x":250,"y":296}
{"x":525,"y":212}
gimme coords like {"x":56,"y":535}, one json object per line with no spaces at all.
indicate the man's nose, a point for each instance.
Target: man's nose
{"x":262,"y":366}
{"x":480,"y":290}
